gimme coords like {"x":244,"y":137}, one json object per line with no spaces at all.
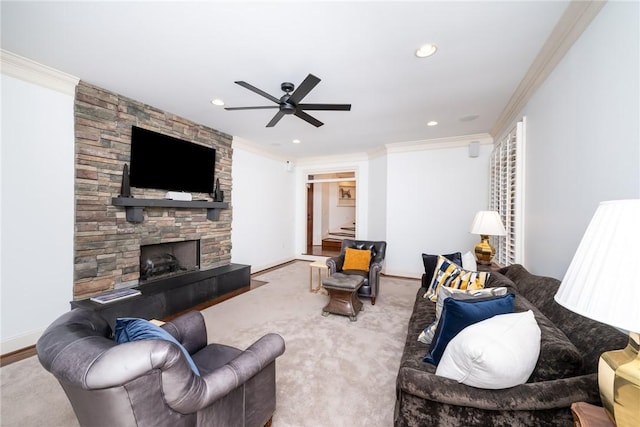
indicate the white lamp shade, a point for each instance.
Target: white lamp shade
{"x":603,"y":279}
{"x":488,"y":223}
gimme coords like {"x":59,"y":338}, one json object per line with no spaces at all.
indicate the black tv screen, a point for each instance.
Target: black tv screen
{"x":167,"y":163}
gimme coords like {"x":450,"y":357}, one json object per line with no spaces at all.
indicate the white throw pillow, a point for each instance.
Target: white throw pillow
{"x":469,"y":261}
{"x":499,"y":352}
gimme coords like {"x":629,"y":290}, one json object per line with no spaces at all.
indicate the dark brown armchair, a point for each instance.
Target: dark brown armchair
{"x":371,"y":286}
{"x":150,"y":382}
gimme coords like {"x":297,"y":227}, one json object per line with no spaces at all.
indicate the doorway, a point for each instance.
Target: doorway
{"x":331,"y":212}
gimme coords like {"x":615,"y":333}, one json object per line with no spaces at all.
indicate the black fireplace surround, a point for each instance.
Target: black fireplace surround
{"x":165,"y":297}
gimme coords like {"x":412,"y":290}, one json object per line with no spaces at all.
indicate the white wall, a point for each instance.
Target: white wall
{"x":583,"y":139}
{"x":432,"y":197}
{"x":320,"y":212}
{"x":37,"y":199}
{"x":378,"y":197}
{"x":263,"y":203}
{"x":339,"y":216}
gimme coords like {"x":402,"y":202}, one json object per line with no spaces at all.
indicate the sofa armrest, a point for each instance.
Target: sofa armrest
{"x":205,"y":390}
{"x":189,"y":329}
{"x":335,"y":264}
{"x":374,"y":272}
{"x":424,"y":281}
{"x":551,"y":394}
{"x":125,"y":362}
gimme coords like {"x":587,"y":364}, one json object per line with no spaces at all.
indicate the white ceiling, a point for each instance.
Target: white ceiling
{"x":177,"y":56}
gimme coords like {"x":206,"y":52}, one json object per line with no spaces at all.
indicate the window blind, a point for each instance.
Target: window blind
{"x":506,"y":194}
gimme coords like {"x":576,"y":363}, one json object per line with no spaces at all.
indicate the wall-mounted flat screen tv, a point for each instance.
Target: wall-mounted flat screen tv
{"x":167,"y":163}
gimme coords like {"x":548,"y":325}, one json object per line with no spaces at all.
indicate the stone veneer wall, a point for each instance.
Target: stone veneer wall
{"x":107,"y":247}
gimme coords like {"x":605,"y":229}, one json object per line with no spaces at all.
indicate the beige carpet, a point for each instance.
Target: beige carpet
{"x":333,"y":373}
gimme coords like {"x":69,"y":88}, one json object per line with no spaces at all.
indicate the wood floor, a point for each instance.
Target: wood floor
{"x":319,"y":251}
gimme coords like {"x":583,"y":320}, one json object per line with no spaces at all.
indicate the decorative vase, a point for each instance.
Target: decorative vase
{"x":125,"y":190}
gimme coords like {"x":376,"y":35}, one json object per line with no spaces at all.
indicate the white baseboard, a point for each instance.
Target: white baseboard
{"x":400,"y":273}
{"x":258,"y":268}
{"x":20,"y":342}
{"x":312,"y":258}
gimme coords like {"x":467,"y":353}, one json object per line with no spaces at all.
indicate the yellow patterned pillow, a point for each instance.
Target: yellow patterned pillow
{"x":445,"y":273}
{"x":357,"y":259}
{"x":451,"y":275}
{"x":470,"y":280}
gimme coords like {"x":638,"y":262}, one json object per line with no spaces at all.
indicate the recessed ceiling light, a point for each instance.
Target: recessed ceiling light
{"x":432,"y":123}
{"x":296,"y":141}
{"x":426,"y":50}
{"x":218,"y":102}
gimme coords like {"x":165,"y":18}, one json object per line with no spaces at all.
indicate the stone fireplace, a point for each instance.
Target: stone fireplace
{"x":107,"y":246}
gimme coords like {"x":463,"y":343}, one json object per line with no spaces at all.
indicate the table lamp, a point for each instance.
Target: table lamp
{"x":603,"y":284}
{"x":486,"y":223}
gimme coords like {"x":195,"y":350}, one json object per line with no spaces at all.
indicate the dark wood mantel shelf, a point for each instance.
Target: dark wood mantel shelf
{"x":134,"y":207}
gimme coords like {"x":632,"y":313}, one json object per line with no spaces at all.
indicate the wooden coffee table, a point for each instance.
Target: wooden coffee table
{"x":343,"y":295}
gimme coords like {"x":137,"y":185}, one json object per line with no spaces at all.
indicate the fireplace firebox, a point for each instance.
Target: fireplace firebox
{"x":167,"y":259}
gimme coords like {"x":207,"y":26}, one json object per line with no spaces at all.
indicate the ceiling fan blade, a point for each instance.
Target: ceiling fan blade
{"x":275,"y":119}
{"x":270,"y":107}
{"x":258,"y":91}
{"x":328,"y":107}
{"x":304,"y":116}
{"x":305,"y":87}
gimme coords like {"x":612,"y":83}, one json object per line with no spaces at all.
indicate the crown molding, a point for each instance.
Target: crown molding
{"x":439,"y":143}
{"x":338,"y":158}
{"x":252,"y":147}
{"x":575,"y":19}
{"x":377,"y":152}
{"x":33,"y":72}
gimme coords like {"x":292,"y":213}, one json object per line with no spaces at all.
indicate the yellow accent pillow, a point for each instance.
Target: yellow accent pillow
{"x":445,"y":273}
{"x":470,"y":280}
{"x":451,"y":275}
{"x":357,"y":259}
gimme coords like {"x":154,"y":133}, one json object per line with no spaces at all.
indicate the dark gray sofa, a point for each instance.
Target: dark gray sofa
{"x":566,"y":370}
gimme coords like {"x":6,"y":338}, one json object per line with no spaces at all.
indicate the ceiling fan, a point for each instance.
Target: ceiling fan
{"x":289,"y":103}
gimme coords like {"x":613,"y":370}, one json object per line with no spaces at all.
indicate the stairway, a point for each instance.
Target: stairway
{"x":331,"y":244}
{"x":334,"y":240}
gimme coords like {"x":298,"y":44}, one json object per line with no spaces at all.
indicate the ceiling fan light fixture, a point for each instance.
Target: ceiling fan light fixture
{"x":217,"y":101}
{"x":289,"y":103}
{"x":426,"y":50}
{"x":432,"y":123}
{"x":296,"y":141}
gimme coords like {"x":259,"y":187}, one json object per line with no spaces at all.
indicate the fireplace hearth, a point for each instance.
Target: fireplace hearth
{"x":163,"y":260}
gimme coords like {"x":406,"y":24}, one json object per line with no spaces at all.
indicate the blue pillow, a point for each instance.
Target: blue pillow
{"x":131,"y":329}
{"x":458,"y":314}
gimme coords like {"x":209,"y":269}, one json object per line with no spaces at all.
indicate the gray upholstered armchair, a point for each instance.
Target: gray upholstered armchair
{"x":371,"y":286}
{"x":150,"y":383}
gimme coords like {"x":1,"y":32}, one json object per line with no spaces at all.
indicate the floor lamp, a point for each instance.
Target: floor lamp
{"x":603,"y":283}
